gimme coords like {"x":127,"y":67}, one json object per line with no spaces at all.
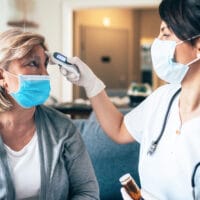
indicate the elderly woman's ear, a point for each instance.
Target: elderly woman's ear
{"x":1,"y":78}
{"x":3,"y":83}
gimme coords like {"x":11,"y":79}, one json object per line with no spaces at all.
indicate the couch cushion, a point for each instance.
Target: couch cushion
{"x":110,"y":160}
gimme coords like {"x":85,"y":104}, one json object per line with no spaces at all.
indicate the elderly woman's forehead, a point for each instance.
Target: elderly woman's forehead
{"x":36,"y":51}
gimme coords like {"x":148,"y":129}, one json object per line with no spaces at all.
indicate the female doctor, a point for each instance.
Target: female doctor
{"x":167,"y":123}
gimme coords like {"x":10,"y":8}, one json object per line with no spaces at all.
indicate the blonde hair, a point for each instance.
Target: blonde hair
{"x":15,"y":44}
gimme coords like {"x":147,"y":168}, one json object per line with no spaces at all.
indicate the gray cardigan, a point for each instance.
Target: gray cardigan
{"x":66,"y":169}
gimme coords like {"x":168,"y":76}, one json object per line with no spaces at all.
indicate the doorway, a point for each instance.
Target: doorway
{"x":106,"y":52}
{"x":113,"y":52}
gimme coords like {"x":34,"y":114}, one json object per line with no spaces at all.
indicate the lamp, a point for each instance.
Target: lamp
{"x":106,"y":21}
{"x":19,"y":18}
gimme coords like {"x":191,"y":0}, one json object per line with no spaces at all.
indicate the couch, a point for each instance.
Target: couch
{"x":110,"y":160}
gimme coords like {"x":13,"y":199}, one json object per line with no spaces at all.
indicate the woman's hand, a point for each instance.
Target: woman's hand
{"x":92,"y":84}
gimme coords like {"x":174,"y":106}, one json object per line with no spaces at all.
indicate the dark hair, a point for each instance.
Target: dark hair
{"x":182,"y":17}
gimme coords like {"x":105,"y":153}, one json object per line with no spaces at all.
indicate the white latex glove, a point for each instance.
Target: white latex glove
{"x":92,"y":84}
{"x":125,"y":195}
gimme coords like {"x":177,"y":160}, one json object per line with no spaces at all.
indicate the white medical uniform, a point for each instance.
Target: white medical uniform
{"x":167,"y":173}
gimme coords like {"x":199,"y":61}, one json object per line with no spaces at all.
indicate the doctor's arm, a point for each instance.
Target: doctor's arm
{"x":111,"y":120}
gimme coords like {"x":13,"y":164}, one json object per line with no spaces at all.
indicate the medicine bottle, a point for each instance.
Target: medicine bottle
{"x":131,"y":187}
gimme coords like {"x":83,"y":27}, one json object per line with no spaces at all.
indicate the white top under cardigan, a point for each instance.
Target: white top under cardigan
{"x":25,"y":169}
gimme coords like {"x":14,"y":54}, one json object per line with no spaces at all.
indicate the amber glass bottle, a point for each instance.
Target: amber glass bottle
{"x":131,"y":187}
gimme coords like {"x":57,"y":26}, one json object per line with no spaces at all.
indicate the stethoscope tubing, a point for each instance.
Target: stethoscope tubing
{"x":193,"y":179}
{"x":154,"y":144}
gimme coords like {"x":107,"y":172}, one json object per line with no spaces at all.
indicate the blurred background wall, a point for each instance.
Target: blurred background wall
{"x":60,"y":21}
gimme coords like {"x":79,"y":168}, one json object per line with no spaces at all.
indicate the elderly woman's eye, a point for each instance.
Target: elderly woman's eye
{"x":33,"y":63}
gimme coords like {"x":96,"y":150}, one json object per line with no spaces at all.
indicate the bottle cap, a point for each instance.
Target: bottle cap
{"x":125,"y":178}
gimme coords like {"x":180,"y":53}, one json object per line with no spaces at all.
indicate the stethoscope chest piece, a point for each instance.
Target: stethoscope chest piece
{"x":152,"y":148}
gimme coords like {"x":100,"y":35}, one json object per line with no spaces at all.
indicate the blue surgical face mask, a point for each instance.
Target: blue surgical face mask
{"x":162,"y":53}
{"x":33,"y":90}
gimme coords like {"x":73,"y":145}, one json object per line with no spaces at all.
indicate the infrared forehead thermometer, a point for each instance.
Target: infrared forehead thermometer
{"x":65,"y":67}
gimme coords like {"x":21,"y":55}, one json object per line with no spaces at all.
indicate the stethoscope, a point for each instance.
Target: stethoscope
{"x":193,"y":179}
{"x":154,"y":143}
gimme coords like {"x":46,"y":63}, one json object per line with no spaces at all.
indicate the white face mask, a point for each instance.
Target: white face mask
{"x":162,"y":53}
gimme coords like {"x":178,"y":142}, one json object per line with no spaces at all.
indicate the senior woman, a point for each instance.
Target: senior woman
{"x":42,"y":155}
{"x":167,"y":123}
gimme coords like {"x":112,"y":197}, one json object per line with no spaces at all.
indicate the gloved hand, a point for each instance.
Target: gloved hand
{"x":92,"y":84}
{"x":125,"y":195}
